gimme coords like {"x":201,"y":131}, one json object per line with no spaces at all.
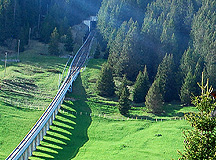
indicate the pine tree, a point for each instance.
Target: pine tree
{"x":122,"y":85}
{"x":168,"y":39}
{"x":69,"y":43}
{"x":97,"y":51}
{"x":203,"y":32}
{"x":166,"y":76}
{"x":129,"y":57}
{"x":154,"y":98}
{"x":54,"y":43}
{"x":23,"y":38}
{"x":46,"y":29}
{"x":200,"y":141}
{"x":188,"y":88}
{"x":204,"y":37}
{"x":211,"y":68}
{"x":105,"y":84}
{"x":198,"y":73}
{"x":124,"y":102}
{"x":188,"y":62}
{"x":116,"y":48}
{"x":141,"y":86}
{"x":106,"y":54}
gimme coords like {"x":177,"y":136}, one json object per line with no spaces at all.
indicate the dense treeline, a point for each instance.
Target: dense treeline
{"x":175,"y":40}
{"x":42,"y":16}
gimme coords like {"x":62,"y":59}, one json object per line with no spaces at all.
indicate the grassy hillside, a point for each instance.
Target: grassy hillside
{"x":14,"y":125}
{"x":33,"y":82}
{"x":137,"y":140}
{"x":77,"y":135}
{"x":88,"y":126}
{"x":69,"y":130}
{"x":26,"y":90}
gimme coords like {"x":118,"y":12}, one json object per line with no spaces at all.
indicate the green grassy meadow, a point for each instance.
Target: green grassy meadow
{"x":26,"y":90}
{"x":14,"y":125}
{"x":80,"y":130}
{"x":113,"y":136}
{"x":33,"y":82}
{"x":115,"y":140}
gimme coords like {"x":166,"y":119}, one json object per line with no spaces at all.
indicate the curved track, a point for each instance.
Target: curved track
{"x":73,"y":71}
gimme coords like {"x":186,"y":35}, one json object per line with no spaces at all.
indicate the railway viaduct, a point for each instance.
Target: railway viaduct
{"x":38,"y":131}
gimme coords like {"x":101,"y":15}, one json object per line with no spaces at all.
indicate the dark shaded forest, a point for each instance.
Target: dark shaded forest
{"x":174,"y":39}
{"x":42,"y":16}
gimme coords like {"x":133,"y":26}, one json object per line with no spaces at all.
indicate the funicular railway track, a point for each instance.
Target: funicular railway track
{"x":35,"y":135}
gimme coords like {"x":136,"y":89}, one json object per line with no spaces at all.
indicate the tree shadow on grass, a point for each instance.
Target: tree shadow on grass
{"x":69,"y":130}
{"x":96,"y":64}
{"x":171,"y":110}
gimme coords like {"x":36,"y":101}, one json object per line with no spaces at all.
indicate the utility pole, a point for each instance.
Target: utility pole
{"x":5,"y":63}
{"x":18,"y":50}
{"x":14,"y":12}
{"x":29,"y":38}
{"x":59,"y":80}
{"x":39,"y":17}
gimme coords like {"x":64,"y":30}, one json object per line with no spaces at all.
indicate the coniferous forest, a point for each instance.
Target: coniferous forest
{"x":155,"y":52}
{"x":42,"y":16}
{"x":174,"y":39}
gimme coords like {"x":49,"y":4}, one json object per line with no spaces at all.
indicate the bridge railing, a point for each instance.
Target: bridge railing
{"x":78,"y":52}
{"x":38,"y":131}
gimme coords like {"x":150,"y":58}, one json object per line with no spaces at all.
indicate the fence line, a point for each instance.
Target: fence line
{"x":105,"y":116}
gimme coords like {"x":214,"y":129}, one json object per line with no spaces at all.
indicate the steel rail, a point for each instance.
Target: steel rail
{"x":74,"y":69}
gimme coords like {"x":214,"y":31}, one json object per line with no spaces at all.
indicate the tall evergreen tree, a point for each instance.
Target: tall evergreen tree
{"x":106,"y":54}
{"x":188,"y":62}
{"x":167,"y":23}
{"x":123,"y":84}
{"x":154,"y":98}
{"x":42,"y":16}
{"x":199,"y":68}
{"x":141,"y":86}
{"x":129,"y":57}
{"x":166,"y":76}
{"x":124,"y":102}
{"x":211,"y":67}
{"x":167,"y":38}
{"x":200,"y":141}
{"x":54,"y":43}
{"x":105,"y":84}
{"x":116,"y":48}
{"x":188,"y":88}
{"x":97,"y":51}
{"x":69,"y":41}
{"x":203,"y":35}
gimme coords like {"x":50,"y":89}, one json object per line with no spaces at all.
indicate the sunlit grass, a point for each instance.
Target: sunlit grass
{"x":14,"y":125}
{"x":33,"y":82}
{"x":108,"y":138}
{"x":67,"y":134}
{"x":26,"y":90}
{"x":73,"y":135}
{"x":133,"y":140}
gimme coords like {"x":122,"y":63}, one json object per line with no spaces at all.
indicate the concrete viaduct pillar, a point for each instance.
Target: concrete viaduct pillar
{"x":22,"y":157}
{"x":41,"y":134}
{"x":26,"y":155}
{"x":38,"y":140}
{"x":29,"y":150}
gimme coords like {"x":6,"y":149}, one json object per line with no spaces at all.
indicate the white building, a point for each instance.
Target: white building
{"x":91,"y":22}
